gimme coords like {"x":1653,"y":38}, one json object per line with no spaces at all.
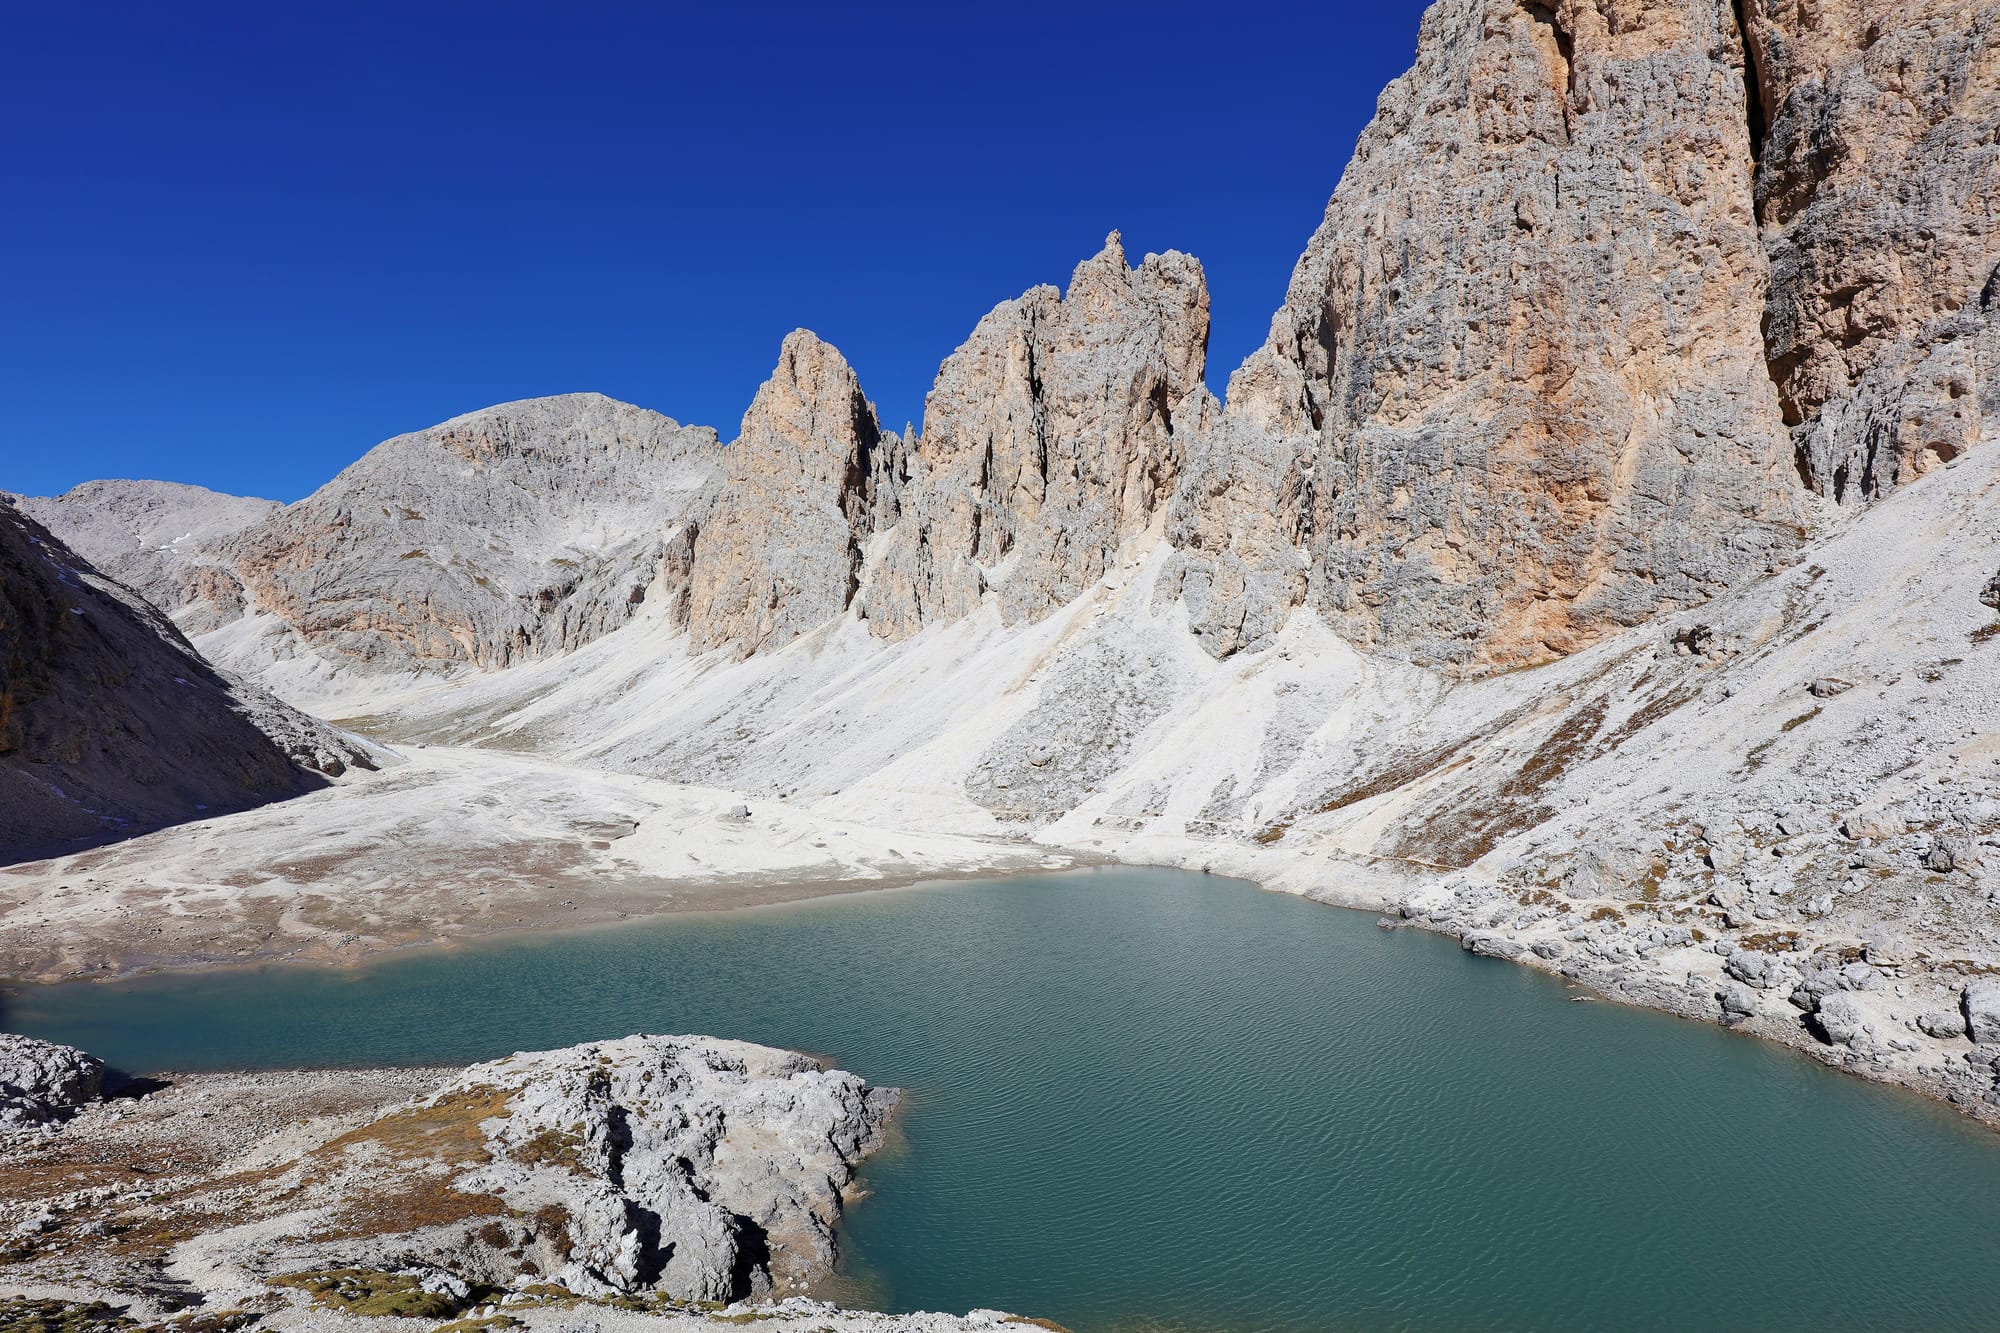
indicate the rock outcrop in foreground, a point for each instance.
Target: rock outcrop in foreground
{"x":645,"y":1183}
{"x":703,"y":1169}
{"x":111,"y":723}
{"x":40,"y":1081}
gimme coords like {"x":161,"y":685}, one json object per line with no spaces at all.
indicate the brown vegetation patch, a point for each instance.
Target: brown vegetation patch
{"x":552,"y":1147}
{"x":369,"y":1292}
{"x":1399,"y":773}
{"x":446,"y":1130}
{"x":1654,"y":709}
{"x":444,"y":1136}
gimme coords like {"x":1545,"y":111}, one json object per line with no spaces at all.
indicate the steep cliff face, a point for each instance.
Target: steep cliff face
{"x":811,"y":477}
{"x":503,"y":535}
{"x":110,"y":723}
{"x":1516,"y":398}
{"x":1876,"y":189}
{"x":1055,"y":433}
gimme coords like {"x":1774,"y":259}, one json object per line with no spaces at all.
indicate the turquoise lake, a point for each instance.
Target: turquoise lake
{"x":1153,"y":1100}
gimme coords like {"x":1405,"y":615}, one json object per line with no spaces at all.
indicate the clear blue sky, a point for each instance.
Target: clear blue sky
{"x":245,"y":242}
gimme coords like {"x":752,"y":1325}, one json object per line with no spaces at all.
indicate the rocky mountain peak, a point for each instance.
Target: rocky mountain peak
{"x":810,"y":477}
{"x":1051,"y":436}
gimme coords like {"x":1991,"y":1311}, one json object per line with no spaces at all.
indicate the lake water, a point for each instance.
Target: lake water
{"x":1154,"y":1100}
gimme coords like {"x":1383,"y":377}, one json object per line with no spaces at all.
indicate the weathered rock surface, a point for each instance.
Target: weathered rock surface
{"x":319,"y":1196}
{"x":678,"y":1168}
{"x":1875,"y":188}
{"x":810,"y":478}
{"x":40,"y":1080}
{"x":1565,"y":354}
{"x":1981,"y":1001}
{"x":111,"y":723}
{"x":705,"y":1169}
{"x":156,"y":537}
{"x":500,"y":536}
{"x":1051,"y":436}
{"x":1516,"y":365}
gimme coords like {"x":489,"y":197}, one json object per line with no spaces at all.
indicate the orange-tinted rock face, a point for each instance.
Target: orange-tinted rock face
{"x":1517,"y":396}
{"x":1876,"y":189}
{"x":810,"y":478}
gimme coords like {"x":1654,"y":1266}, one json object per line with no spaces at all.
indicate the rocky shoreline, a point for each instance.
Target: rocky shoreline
{"x":672,"y":1181}
{"x":1876,"y":1007}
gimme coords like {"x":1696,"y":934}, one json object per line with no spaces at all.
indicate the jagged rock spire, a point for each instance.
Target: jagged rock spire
{"x":1050,"y":437}
{"x":809,"y":478}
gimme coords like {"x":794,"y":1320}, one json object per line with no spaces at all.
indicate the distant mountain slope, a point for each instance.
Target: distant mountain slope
{"x":498,"y":536}
{"x":110,"y":722}
{"x":155,"y":537}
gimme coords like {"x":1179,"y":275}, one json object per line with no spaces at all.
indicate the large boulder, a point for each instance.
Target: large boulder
{"x":1981,"y":1002}
{"x":1840,"y":1021}
{"x":41,"y":1082}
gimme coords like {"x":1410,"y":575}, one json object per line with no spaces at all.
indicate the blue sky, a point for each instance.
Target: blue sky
{"x":245,"y":242}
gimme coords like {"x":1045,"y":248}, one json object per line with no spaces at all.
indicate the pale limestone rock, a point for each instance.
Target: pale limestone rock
{"x":1875,"y":189}
{"x":686,"y":1167}
{"x":810,"y":478}
{"x":702,"y":1168}
{"x":503,"y":535}
{"x":1980,"y":1001}
{"x":1241,"y":526}
{"x":1050,"y":437}
{"x":41,"y":1081}
{"x":156,"y":537}
{"x":1518,"y":346}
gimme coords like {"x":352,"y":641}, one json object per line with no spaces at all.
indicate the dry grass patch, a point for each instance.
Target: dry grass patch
{"x":370,"y":1292}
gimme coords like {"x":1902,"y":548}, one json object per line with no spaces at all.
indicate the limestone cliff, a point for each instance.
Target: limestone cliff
{"x":1050,"y":437}
{"x":1876,"y":189}
{"x":1515,"y":398}
{"x":110,"y":723}
{"x":811,"y":477}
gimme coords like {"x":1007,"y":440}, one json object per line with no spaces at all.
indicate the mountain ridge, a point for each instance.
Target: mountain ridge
{"x":1583,"y":567}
